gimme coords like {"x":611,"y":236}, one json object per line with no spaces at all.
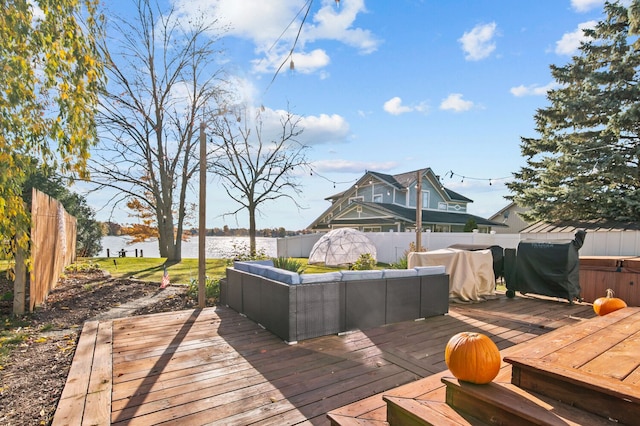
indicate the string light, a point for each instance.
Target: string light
{"x":451,"y":174}
{"x":312,"y":172}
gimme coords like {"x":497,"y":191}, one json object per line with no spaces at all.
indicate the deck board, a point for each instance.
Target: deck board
{"x":214,"y":366}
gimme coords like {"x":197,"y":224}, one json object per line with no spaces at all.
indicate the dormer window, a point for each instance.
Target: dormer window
{"x":377,"y":198}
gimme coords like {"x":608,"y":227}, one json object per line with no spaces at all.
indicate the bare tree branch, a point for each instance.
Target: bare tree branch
{"x":162,"y":77}
{"x":254,"y":170}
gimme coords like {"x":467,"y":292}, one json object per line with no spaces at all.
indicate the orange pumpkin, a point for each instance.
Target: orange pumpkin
{"x":472,"y":357}
{"x":606,"y":305}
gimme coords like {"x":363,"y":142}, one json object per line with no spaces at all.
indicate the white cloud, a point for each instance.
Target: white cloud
{"x":532,"y":90}
{"x":314,"y":130}
{"x":570,"y":42}
{"x":273,"y":26}
{"x":348,"y":166}
{"x":305,"y":63}
{"x":454,"y":102}
{"x":335,"y":23}
{"x":586,"y":5}
{"x":394,"y":106}
{"x":323,"y":128}
{"x":479,"y":42}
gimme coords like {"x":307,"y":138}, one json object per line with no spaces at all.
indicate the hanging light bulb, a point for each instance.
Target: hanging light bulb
{"x":291,"y":66}
{"x":489,"y":182}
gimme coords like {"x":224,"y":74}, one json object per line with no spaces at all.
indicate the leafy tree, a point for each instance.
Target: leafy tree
{"x":111,"y":228}
{"x":49,"y":84}
{"x":89,"y":231}
{"x":144,"y":230}
{"x":163,"y":81}
{"x":255,"y":169}
{"x":585,"y":164}
{"x":282,"y":232}
{"x":470,"y":225}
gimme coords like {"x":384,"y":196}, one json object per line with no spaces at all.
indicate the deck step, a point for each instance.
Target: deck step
{"x":413,"y":412}
{"x":503,"y":403}
{"x":339,"y":420}
{"x":604,"y":396}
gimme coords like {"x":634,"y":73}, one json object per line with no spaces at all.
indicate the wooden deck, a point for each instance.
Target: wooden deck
{"x":214,"y":366}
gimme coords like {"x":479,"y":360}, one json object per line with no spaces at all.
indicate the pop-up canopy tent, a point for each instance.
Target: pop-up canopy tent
{"x":342,"y":246}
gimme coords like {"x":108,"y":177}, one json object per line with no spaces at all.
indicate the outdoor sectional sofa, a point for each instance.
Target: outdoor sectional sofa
{"x":302,"y":306}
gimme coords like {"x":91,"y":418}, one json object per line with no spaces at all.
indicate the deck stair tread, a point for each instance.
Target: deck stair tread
{"x":504,"y":403}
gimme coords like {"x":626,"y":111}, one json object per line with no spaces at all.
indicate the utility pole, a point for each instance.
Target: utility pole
{"x":202,"y":223}
{"x":419,"y":212}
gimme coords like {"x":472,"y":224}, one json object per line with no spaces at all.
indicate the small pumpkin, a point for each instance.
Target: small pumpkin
{"x":472,"y":357}
{"x":606,"y":305}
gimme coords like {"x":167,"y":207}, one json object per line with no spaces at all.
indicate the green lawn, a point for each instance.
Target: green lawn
{"x":151,"y":269}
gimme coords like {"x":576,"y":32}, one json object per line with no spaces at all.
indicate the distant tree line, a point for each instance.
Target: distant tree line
{"x":116,"y":229}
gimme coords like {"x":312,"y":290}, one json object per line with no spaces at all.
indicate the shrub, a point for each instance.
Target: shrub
{"x":211,"y":288}
{"x":403,"y":262}
{"x":85,"y":267}
{"x":364,"y":262}
{"x":289,"y":264}
{"x":240,"y":252}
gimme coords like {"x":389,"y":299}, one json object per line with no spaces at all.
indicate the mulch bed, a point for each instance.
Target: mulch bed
{"x":36,"y":349}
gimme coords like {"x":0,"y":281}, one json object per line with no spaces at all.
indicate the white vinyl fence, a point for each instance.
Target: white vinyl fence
{"x":392,"y":245}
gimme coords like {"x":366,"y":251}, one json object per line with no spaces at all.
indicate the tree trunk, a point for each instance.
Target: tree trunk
{"x":252,"y":231}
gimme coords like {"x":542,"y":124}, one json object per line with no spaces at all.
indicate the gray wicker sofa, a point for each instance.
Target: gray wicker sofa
{"x":302,"y":306}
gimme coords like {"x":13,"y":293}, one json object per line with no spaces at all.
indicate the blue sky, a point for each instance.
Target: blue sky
{"x":394,"y":86}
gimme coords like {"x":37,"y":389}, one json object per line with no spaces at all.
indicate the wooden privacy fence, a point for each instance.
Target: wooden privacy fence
{"x":53,"y":246}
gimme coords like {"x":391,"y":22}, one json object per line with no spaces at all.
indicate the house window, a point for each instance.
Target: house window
{"x":352,"y":199}
{"x":442,"y":206}
{"x":377,"y":198}
{"x":425,"y":199}
{"x":371,"y":229}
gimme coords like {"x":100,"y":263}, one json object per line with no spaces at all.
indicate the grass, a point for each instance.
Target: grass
{"x":152,"y":269}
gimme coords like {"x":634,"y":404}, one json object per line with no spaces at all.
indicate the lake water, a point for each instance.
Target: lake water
{"x":216,"y":247}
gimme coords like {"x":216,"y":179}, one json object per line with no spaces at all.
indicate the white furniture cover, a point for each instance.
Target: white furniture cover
{"x":471,"y":276}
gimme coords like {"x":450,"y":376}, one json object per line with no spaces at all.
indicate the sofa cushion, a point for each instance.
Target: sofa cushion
{"x":430,"y":270}
{"x":241,"y":266}
{"x":238,"y":264}
{"x":361,"y":275}
{"x":258,"y":269}
{"x":320,"y":278}
{"x":281,"y":275}
{"x":399,"y":273}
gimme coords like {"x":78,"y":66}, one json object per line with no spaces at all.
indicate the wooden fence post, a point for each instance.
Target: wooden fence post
{"x":19,"y":283}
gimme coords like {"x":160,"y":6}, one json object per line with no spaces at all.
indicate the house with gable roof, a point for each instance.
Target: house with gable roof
{"x":379,"y":202}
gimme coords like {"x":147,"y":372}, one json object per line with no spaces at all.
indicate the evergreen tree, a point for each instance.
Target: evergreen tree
{"x":470,"y":225}
{"x":585,"y":164}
